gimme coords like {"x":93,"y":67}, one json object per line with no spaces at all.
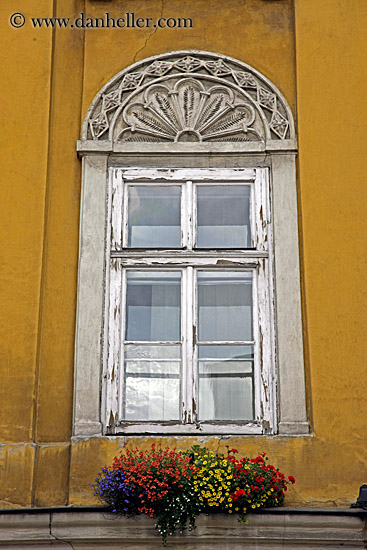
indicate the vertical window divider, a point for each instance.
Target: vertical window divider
{"x":257,"y":351}
{"x":185,"y":225}
{"x":112,"y":177}
{"x":194,"y":214}
{"x":194,"y":360}
{"x":253,"y":228}
{"x":116,"y":207}
{"x":125,"y":210}
{"x":122,"y":377}
{"x":187,"y":352}
{"x":189,"y":214}
{"x":261,"y":210}
{"x":184,"y":382}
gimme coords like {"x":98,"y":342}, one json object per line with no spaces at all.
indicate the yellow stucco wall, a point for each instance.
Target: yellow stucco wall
{"x":314,"y":52}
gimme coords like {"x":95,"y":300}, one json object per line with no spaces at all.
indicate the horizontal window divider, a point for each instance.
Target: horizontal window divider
{"x":153,"y":175}
{"x":227,"y":342}
{"x":226,"y":360}
{"x":226,"y":375}
{"x":161,"y":263}
{"x":153,"y":342}
{"x":181,"y":253}
{"x":152,"y":359}
{"x":151,"y":375}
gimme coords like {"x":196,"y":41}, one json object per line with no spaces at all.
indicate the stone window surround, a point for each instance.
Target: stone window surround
{"x":98,"y":155}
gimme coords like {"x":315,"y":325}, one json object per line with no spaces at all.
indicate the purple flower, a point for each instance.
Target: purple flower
{"x":110,"y":487}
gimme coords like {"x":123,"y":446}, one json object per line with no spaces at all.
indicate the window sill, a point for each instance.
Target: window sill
{"x":203,"y":428}
{"x":273,"y":528}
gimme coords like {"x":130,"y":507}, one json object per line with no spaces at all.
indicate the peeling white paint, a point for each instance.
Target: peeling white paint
{"x":188,"y":260}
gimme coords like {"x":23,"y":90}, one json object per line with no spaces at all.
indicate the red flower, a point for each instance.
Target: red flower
{"x":257,"y":460}
{"x":291,"y":479}
{"x":238,"y":494}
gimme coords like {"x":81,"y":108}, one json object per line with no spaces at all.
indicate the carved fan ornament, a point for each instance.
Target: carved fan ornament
{"x":189,"y":98}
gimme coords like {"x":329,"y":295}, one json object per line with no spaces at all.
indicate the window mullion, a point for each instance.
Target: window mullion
{"x":194,"y":349}
{"x":184,"y":217}
{"x":122,"y":375}
{"x":189,"y":215}
{"x":257,"y":346}
{"x":117,"y":205}
{"x":261,"y":210}
{"x":125,"y":214}
{"x":187,"y":347}
{"x":194,"y":214}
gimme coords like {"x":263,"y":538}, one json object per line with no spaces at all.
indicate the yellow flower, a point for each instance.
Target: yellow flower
{"x":253,"y":506}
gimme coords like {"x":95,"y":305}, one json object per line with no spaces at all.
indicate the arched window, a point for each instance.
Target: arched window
{"x":189,"y":315}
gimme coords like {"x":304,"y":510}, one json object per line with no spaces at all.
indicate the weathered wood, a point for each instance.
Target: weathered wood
{"x":188,"y":260}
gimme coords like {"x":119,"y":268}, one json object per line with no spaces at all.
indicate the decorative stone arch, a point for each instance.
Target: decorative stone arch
{"x":211,"y":110}
{"x":189,"y":96}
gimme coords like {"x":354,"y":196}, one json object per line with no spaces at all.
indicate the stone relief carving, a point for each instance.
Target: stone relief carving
{"x":187,"y":111}
{"x":194,"y":96}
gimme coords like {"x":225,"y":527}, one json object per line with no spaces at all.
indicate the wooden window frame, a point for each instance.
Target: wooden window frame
{"x":258,"y":260}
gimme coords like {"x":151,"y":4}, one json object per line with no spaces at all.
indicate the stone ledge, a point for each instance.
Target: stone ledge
{"x":94,"y":528}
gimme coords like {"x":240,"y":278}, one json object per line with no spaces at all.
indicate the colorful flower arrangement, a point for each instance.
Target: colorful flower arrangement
{"x":174,"y":487}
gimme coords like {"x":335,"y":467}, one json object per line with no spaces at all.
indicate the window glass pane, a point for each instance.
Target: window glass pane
{"x":154,"y":217}
{"x":224,"y":359}
{"x":225,"y":382}
{"x":153,"y":306}
{"x":225,"y":306}
{"x":152,"y":382}
{"x":225,"y":399}
{"x":223,"y":216}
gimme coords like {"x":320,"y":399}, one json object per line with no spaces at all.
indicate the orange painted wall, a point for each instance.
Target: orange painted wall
{"x":314,"y":52}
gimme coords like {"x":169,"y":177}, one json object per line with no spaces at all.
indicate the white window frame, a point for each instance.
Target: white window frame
{"x":258,"y":260}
